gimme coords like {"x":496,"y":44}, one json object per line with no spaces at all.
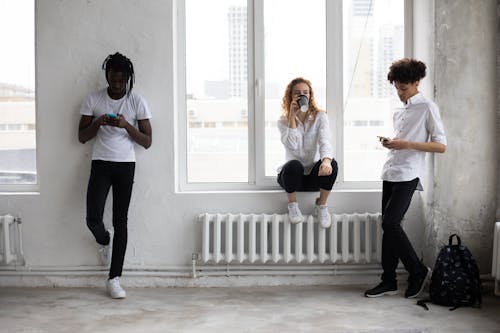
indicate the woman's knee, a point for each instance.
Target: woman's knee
{"x":326,"y":182}
{"x":335,"y":167}
{"x":293,"y":165}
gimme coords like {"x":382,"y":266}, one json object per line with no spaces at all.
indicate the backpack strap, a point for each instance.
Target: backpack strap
{"x":423,"y":302}
{"x":450,"y":240}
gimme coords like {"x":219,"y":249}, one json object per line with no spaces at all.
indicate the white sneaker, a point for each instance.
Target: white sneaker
{"x":114,"y":289}
{"x":105,"y":252}
{"x":324,"y":217}
{"x":294,"y":213}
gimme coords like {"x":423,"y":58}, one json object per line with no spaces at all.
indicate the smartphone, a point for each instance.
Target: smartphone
{"x":110,"y":115}
{"x":382,"y":138}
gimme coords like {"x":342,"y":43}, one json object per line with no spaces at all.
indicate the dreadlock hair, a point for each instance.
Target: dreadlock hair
{"x":119,"y":63}
{"x":406,"y":70}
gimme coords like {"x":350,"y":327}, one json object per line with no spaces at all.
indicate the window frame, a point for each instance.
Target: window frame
{"x":257,"y":180}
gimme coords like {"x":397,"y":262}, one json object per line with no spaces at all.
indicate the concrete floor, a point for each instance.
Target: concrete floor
{"x":259,"y":309}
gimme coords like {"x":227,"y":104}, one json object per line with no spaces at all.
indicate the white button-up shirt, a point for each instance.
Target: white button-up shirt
{"x":309,"y":142}
{"x":418,"y":121}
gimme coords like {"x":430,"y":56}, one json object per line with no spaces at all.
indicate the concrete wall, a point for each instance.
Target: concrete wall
{"x":466,"y":177}
{"x":74,"y":37}
{"x":498,"y":100}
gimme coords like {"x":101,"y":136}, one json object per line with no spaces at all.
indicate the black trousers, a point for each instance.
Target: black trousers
{"x":119,"y":176}
{"x":292,"y":178}
{"x":396,"y":198}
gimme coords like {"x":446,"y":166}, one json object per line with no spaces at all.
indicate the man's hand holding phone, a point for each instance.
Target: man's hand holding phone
{"x":395,"y":143}
{"x":383,"y":139}
{"x":112,"y":119}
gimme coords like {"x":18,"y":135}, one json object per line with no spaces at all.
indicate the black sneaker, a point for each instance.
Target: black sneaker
{"x":383,"y":288}
{"x":417,"y":284}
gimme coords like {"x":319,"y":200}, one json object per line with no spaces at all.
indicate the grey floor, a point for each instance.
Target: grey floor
{"x":260,"y":309}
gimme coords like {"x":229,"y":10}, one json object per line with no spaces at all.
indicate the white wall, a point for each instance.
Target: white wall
{"x":73,"y":38}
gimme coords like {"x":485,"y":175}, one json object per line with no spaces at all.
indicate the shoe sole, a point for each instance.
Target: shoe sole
{"x":427,"y":277}
{"x":295,"y":222}
{"x":386,"y":293}
{"x":115,"y":296}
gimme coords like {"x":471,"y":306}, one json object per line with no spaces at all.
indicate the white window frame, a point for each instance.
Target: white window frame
{"x":256,"y":99}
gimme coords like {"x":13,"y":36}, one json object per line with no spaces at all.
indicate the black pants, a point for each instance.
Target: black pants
{"x":396,"y":198}
{"x":292,"y":178}
{"x":120,"y":176}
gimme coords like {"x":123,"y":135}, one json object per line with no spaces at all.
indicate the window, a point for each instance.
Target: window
{"x":17,"y":93}
{"x":238,"y":57}
{"x":216,"y":84}
{"x":373,"y":39}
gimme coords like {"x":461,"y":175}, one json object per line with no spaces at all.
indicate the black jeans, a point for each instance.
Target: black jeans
{"x":396,"y":198}
{"x":120,"y":176}
{"x":292,"y":178}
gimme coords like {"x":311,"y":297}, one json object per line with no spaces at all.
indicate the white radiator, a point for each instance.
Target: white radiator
{"x":263,"y":238}
{"x":10,"y":240}
{"x":495,"y":269}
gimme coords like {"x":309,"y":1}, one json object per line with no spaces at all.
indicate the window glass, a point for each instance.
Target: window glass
{"x":17,"y":93}
{"x":373,"y":39}
{"x":216,"y":91}
{"x":294,"y":46}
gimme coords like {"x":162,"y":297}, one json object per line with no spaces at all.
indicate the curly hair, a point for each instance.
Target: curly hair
{"x":119,"y":63}
{"x":287,"y":97}
{"x":406,"y":70}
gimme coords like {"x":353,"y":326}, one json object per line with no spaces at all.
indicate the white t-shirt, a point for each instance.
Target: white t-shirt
{"x":308,"y":142}
{"x":114,"y":143}
{"x":418,"y":120}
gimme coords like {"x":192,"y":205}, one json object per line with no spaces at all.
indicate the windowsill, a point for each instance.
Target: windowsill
{"x":375,"y":188}
{"x":33,"y":189}
{"x":262,"y":191}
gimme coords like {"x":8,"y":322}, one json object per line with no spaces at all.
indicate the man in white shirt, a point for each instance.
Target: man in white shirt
{"x":117,"y":118}
{"x":418,"y":129}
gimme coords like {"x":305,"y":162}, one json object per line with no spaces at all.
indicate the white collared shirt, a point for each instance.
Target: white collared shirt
{"x":309,"y":142}
{"x":114,"y":143}
{"x":418,"y":121}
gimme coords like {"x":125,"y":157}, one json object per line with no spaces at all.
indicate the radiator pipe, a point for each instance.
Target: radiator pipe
{"x":194,"y":258}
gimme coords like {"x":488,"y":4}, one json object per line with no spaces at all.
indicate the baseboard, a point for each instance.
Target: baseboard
{"x":204,"y":276}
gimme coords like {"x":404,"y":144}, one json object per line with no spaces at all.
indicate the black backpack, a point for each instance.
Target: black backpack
{"x":455,"y":279}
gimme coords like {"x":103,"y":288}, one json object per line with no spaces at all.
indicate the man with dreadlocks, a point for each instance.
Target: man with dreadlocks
{"x":116,"y":117}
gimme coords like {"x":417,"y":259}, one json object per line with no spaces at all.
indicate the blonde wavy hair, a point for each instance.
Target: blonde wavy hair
{"x":287,"y":98}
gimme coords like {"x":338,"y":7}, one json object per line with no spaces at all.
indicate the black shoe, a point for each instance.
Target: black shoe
{"x":384,"y":288}
{"x":416,"y":284}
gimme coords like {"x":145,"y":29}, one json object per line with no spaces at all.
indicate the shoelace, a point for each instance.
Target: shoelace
{"x":294,"y":209}
{"x":115,"y":285}
{"x":323,"y":212}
